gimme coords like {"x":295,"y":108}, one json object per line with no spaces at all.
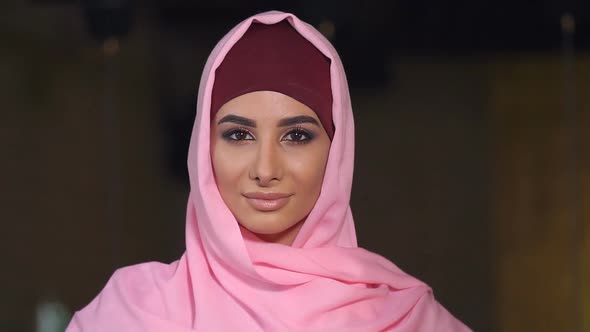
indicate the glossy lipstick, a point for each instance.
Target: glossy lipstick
{"x":267,"y":202}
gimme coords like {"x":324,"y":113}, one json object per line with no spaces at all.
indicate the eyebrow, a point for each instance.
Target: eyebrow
{"x":295,"y":120}
{"x":298,"y":120}
{"x":238,"y":120}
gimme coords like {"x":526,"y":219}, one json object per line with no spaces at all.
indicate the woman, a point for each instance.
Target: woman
{"x":270,"y":239}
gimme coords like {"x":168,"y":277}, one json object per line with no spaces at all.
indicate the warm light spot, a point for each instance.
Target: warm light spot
{"x":327,"y":28}
{"x":111,"y":46}
{"x":568,"y":23}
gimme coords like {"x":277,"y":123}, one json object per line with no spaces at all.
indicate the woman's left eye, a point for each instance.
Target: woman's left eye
{"x":298,"y":136}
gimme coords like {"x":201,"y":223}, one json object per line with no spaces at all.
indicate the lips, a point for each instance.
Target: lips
{"x":267,"y":201}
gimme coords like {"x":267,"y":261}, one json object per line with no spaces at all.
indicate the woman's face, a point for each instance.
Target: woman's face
{"x":269,"y":154}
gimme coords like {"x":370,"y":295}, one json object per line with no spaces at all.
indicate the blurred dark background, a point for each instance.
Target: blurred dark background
{"x":473,"y":154}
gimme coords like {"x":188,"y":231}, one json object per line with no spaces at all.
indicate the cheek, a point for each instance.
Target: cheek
{"x":308,"y":170}
{"x":227,"y":167}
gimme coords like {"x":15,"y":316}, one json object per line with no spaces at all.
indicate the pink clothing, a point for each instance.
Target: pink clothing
{"x":224,"y":282}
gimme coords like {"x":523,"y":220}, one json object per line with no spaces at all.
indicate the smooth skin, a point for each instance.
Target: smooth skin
{"x":269,"y":154}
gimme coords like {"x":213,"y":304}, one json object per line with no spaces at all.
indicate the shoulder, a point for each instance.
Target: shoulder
{"x":130,"y":290}
{"x":429,"y":315}
{"x":143,"y":274}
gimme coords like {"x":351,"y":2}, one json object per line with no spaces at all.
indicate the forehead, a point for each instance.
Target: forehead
{"x":264,"y":105}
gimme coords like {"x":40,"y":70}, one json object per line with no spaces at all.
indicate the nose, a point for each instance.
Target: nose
{"x":267,"y":166}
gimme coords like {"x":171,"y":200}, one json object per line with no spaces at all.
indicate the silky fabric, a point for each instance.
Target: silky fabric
{"x":225,"y":282}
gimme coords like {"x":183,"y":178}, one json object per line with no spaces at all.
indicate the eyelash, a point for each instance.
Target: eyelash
{"x":298,"y":130}
{"x":227,"y":135}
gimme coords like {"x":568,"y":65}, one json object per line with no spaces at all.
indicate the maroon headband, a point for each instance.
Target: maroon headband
{"x":276,"y":58}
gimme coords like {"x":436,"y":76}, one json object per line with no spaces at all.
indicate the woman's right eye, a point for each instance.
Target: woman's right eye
{"x":238,"y":135}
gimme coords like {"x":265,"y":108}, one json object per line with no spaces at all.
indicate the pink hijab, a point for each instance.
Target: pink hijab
{"x":225,"y":282}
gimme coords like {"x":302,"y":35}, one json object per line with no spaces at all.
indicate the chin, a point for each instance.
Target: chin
{"x":266,"y":225}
